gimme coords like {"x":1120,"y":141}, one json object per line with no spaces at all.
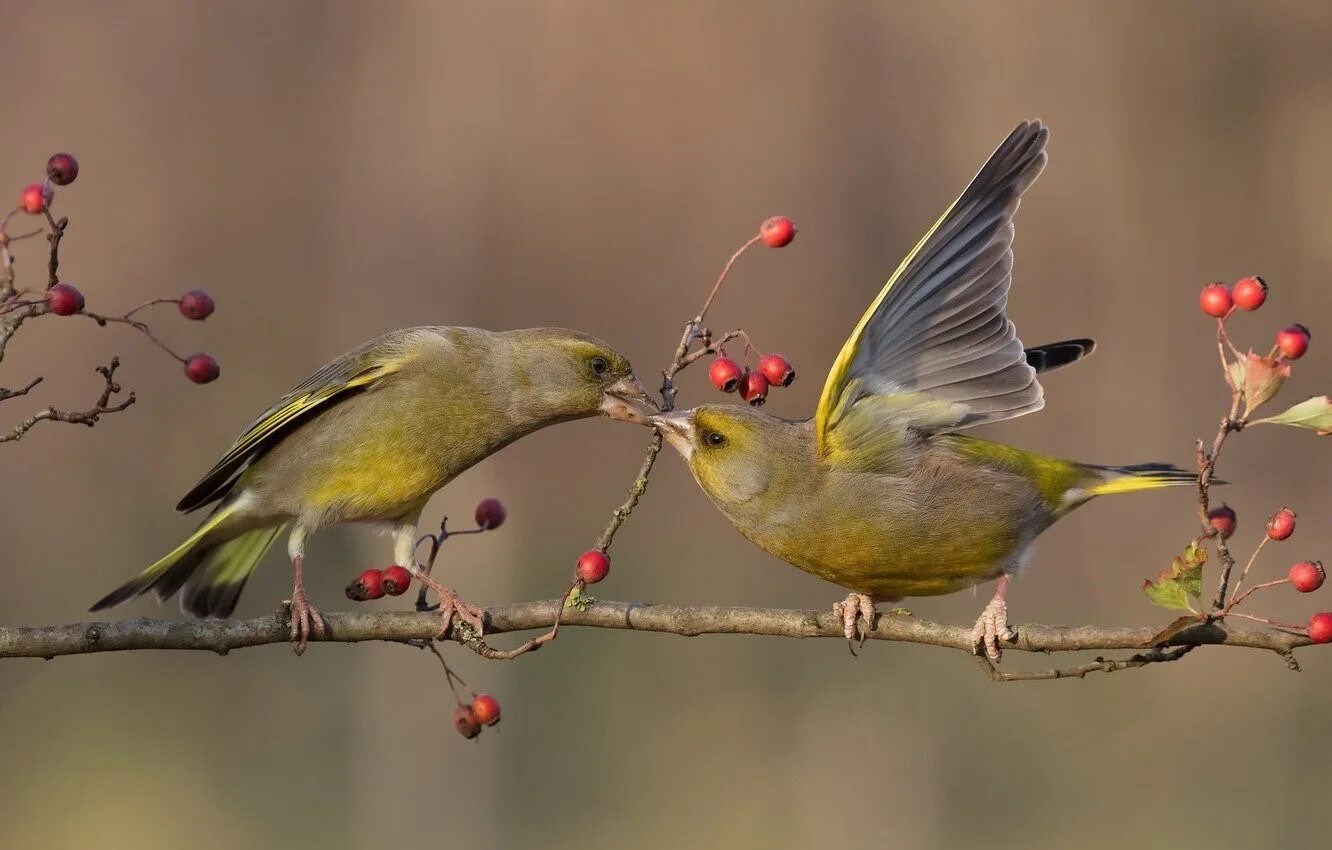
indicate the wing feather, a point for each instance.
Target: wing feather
{"x":353,"y":372}
{"x":937,"y":333}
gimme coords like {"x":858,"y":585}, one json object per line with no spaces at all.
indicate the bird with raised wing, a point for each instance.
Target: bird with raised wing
{"x":879,"y":492}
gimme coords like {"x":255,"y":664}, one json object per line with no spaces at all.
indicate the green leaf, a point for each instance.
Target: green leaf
{"x":1166,"y":594}
{"x":1183,"y":579}
{"x":1313,"y":413}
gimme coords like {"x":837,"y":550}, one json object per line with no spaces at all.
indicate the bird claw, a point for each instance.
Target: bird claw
{"x":992,"y":627}
{"x":305,"y":620}
{"x":449,"y":604}
{"x":853,"y":609}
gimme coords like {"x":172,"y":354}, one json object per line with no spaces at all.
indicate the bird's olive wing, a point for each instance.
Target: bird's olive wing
{"x":353,"y":372}
{"x":936,"y":342}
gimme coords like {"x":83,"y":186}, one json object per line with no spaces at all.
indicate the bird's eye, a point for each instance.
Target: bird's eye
{"x":712,"y":438}
{"x":599,"y":365}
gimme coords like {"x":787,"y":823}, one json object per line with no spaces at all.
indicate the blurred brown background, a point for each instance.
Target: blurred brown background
{"x":332,"y":170}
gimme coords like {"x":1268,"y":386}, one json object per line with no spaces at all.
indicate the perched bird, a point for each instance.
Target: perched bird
{"x":369,"y":438}
{"x":878,"y":492}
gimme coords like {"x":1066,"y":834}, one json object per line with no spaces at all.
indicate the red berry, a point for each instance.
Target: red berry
{"x":777,"y":232}
{"x":465,"y":721}
{"x":1293,"y":342}
{"x":1223,"y":520}
{"x":368,"y":585}
{"x":395,"y":580}
{"x":1215,"y":300}
{"x":62,"y":168}
{"x":1307,"y":576}
{"x":490,"y":514}
{"x":1281,"y":525}
{"x":777,"y":369}
{"x":64,"y":300}
{"x":34,"y":198}
{"x":201,"y":368}
{"x":1250,"y":292}
{"x":593,"y":566}
{"x":486,"y":708}
{"x":725,"y":374}
{"x":754,"y":388}
{"x":1320,"y":627}
{"x":196,"y":305}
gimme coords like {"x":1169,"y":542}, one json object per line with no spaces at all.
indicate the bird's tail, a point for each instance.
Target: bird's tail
{"x":212,"y":569}
{"x":1140,"y":476}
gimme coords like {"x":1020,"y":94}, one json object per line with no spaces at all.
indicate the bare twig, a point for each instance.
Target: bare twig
{"x":1100,"y":665}
{"x":53,"y":262}
{"x":87,"y":417}
{"x":5,"y":393}
{"x":141,"y":327}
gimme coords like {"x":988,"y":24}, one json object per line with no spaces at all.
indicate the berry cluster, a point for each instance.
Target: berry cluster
{"x":469,"y":718}
{"x":773,"y":370}
{"x":1249,"y":293}
{"x":1253,"y":380}
{"x":1303,"y":576}
{"x":65,"y":299}
{"x":375,"y":583}
{"x":396,"y":580}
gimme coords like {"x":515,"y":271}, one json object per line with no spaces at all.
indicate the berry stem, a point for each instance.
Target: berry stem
{"x":1244,"y":574}
{"x":1274,"y":623}
{"x":1235,"y":600}
{"x":138,"y":326}
{"x":451,"y":676}
{"x":698,"y":320}
{"x":151,"y":303}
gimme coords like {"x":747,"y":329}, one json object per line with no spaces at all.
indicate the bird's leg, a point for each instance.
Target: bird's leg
{"x":404,"y":550}
{"x":305,"y":618}
{"x":851,"y":611}
{"x":992,"y":626}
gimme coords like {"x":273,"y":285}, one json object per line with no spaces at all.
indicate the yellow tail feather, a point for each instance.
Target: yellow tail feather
{"x":1145,"y":476}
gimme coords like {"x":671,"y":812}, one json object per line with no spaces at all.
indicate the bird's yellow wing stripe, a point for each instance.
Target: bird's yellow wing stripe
{"x":837,"y":377}
{"x":258,"y":432}
{"x":269,"y":426}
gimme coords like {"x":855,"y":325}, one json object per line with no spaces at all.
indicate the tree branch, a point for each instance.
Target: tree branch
{"x":222,"y":636}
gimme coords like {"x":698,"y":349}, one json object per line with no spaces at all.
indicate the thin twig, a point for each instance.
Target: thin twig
{"x":137,"y":325}
{"x":1100,"y":665}
{"x":57,"y":233}
{"x":5,"y":393}
{"x":87,"y":417}
{"x":1235,"y":598}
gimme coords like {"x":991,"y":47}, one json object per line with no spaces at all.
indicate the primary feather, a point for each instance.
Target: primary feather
{"x":936,"y":335}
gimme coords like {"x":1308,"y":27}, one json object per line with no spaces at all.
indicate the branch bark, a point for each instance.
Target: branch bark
{"x":222,"y":636}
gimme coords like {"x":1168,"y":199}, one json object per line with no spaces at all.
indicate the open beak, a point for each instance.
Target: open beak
{"x":678,"y":429}
{"x":628,"y":401}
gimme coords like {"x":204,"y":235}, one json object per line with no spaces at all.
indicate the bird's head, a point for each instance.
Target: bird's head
{"x":571,"y":375}
{"x":733,"y":451}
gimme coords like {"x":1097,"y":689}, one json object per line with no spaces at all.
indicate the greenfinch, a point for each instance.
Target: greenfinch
{"x":369,"y":438}
{"x":879,"y":492}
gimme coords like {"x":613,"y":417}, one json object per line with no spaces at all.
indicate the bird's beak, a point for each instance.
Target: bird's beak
{"x":628,"y":401}
{"x":678,"y":429}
